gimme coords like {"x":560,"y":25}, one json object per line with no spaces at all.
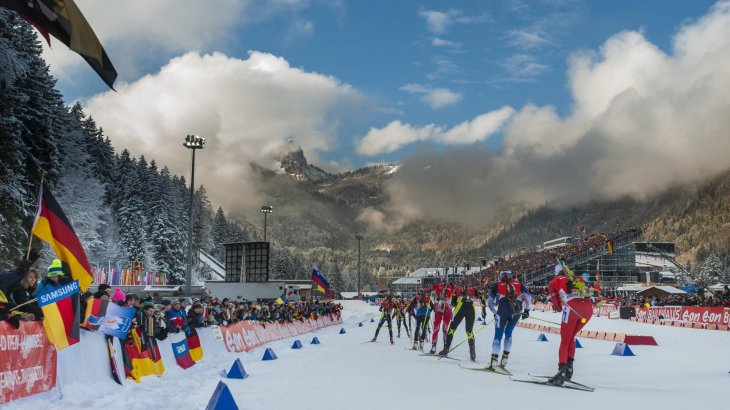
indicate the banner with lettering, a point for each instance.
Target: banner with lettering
{"x":27,"y":361}
{"x":693,"y":314}
{"x":244,"y":336}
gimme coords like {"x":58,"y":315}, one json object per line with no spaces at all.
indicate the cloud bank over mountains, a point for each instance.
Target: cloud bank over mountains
{"x":642,"y":120}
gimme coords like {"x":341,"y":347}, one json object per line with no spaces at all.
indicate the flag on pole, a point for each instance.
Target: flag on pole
{"x":63,"y":20}
{"x":320,"y":283}
{"x":60,"y":308}
{"x":108,"y":318}
{"x":52,"y":226}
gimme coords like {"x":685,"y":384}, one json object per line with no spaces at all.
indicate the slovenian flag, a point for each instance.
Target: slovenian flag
{"x":320,"y":283}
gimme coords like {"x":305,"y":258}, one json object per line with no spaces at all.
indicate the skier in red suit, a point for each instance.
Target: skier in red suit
{"x":569,"y":295}
{"x":443,"y":315}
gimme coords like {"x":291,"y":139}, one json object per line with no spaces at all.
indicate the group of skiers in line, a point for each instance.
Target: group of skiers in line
{"x":507,"y":300}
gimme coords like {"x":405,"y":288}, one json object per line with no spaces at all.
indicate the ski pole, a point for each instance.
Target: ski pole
{"x":464,"y":341}
{"x":544,"y":320}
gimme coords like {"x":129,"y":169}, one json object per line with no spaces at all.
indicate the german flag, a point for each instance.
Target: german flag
{"x":63,"y":20}
{"x":196,"y":350}
{"x":141,"y":360}
{"x":61,"y":314}
{"x":52,"y":226}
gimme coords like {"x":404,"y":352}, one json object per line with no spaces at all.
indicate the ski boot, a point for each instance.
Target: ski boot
{"x":503,"y":362}
{"x":472,"y":351}
{"x":493,"y":362}
{"x":373,"y":341}
{"x":391,"y":340}
{"x":559,"y":378}
{"x":569,"y":370}
{"x":433,"y":350}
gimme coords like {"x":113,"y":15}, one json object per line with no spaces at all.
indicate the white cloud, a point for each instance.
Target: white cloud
{"x":439,"y":42}
{"x":434,"y":97}
{"x":478,"y":128}
{"x":134,"y":30}
{"x":441,"y":97}
{"x":437,"y":22}
{"x":528,"y":39}
{"x":397,"y":134}
{"x":642,"y":120}
{"x":247,"y":109}
{"x":520,"y":68}
{"x":300,"y":29}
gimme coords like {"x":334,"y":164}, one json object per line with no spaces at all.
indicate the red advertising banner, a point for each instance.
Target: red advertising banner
{"x":693,"y":314}
{"x":244,"y":336}
{"x":27,"y":361}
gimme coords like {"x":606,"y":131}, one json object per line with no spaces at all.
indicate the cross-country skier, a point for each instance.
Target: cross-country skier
{"x":568,"y":294}
{"x":464,"y":300}
{"x":507,"y":301}
{"x":423,"y":313}
{"x":386,"y":316}
{"x":400,"y":312}
{"x":443,"y":313}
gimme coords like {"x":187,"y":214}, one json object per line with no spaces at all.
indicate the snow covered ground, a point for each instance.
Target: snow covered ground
{"x":689,"y":369}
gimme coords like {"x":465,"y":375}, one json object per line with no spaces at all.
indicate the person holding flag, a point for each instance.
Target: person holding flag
{"x":568,"y":293}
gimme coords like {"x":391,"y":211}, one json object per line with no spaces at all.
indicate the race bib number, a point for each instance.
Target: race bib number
{"x":566,"y":313}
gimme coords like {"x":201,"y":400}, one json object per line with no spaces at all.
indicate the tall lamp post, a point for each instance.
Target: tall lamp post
{"x":359,"y":239}
{"x":192,"y":142}
{"x":266,"y":209}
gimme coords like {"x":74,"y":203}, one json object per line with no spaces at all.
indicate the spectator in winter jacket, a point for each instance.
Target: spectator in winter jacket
{"x":195,"y":316}
{"x":175,"y":318}
{"x":55,"y":278}
{"x":12,"y":316}
{"x":10,"y":280}
{"x":24,"y":294}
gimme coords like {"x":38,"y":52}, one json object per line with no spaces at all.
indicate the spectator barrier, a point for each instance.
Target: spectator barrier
{"x":593,"y":334}
{"x":692,"y":315}
{"x":31,"y":366}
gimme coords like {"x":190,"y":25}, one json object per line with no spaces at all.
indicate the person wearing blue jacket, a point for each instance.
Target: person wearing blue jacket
{"x":508,"y":301}
{"x":423,"y":313}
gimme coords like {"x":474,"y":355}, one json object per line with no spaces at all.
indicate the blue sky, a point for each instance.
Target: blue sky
{"x":482,"y":55}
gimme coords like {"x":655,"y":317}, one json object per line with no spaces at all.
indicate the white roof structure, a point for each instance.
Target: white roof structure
{"x":416,"y":277}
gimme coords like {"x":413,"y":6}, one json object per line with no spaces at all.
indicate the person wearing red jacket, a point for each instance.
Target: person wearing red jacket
{"x":400,"y":316}
{"x":443,"y":313}
{"x":569,"y":295}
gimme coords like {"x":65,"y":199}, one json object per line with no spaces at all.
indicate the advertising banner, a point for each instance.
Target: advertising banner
{"x":244,"y":336}
{"x":27,"y":361}
{"x":693,"y":314}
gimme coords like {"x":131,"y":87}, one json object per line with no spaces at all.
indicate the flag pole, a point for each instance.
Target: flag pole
{"x":38,"y":207}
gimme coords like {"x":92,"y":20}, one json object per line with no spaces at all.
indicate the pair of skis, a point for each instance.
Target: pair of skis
{"x":542,"y":380}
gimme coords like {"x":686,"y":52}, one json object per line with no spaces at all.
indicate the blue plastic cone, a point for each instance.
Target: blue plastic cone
{"x":542,"y":338}
{"x":315,"y":341}
{"x":221,"y":399}
{"x":237,"y":371}
{"x":577,"y":344}
{"x":269,"y":354}
{"x":342,"y":331}
{"x":622,"y":349}
{"x":359,"y":324}
{"x":297,"y":344}
{"x":372,"y":320}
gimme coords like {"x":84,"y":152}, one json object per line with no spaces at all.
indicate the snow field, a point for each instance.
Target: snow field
{"x":689,"y":369}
